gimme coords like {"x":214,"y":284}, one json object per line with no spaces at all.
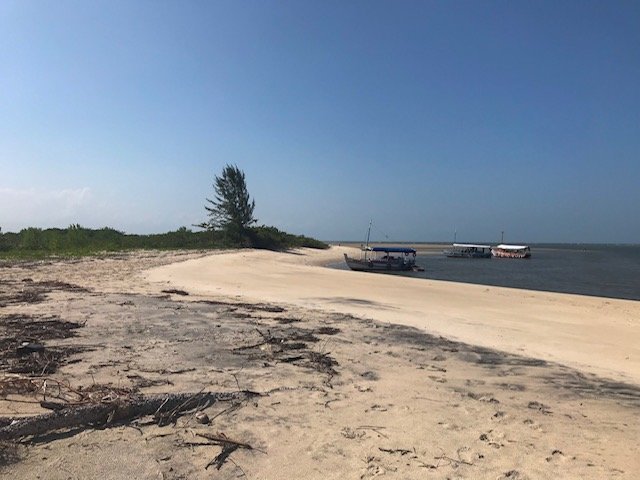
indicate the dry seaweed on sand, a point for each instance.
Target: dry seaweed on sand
{"x":276,"y":347}
{"x":22,"y":347}
{"x":31,"y":292}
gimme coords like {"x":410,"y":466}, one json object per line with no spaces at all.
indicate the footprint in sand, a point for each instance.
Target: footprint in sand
{"x":541,"y":407}
{"x":492,"y":438}
{"x":556,"y":456}
{"x":513,"y":387}
{"x":369,"y":375}
{"x":532,"y":424}
{"x":467,"y":455}
{"x":513,"y":475}
{"x":482,"y":397}
{"x":473,"y":383}
{"x":450,"y":426}
{"x":362,"y":389}
{"x":498,"y":415}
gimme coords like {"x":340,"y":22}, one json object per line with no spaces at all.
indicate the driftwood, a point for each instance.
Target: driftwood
{"x":228,"y":447}
{"x":165,"y":409}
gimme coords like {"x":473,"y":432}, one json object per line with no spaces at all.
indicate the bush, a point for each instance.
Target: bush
{"x":77,"y":240}
{"x":273,"y":239}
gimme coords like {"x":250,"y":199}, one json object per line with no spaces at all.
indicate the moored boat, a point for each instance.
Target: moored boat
{"x":468,"y":250}
{"x":384,"y":259}
{"x":511,"y":251}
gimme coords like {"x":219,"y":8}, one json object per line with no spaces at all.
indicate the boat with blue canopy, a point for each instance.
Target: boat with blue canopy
{"x":384,"y":259}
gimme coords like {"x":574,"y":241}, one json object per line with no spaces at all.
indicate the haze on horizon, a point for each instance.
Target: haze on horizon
{"x":427,"y":117}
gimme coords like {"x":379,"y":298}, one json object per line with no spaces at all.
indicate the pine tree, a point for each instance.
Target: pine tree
{"x":231,"y":210}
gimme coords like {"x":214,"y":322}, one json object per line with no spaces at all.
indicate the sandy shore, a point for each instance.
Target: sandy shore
{"x":359,"y":376}
{"x":593,"y":334}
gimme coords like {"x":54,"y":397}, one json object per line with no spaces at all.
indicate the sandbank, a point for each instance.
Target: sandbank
{"x":342,"y":389}
{"x":598,"y":335}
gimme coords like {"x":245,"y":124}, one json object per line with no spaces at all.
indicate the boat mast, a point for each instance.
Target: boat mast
{"x":368,"y":236}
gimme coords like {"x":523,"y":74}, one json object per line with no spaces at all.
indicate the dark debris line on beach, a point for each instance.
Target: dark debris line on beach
{"x":23,"y":348}
{"x":22,"y":342}
{"x":28,"y":291}
{"x":290,"y":345}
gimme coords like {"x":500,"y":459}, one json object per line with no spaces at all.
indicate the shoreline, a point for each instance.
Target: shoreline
{"x":597,"y":334}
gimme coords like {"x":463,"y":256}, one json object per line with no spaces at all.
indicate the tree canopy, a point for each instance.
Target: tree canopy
{"x":231,"y":210}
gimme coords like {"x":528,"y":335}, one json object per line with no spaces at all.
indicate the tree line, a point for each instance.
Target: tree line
{"x":230,"y":223}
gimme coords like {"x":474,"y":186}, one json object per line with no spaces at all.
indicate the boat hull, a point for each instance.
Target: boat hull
{"x":502,"y":254}
{"x":467,"y":255}
{"x":378,"y":265}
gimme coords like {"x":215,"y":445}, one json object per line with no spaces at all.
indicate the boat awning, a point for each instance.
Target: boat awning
{"x":393,"y":249}
{"x":512,"y":247}
{"x":470,"y":245}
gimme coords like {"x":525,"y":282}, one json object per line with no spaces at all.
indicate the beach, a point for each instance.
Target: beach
{"x":359,"y":375}
{"x":594,"y":334}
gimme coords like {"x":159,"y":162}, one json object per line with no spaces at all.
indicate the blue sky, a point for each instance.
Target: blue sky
{"x":427,"y":117}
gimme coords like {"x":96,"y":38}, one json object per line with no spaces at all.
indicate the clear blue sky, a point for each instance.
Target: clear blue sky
{"x":428,"y":117}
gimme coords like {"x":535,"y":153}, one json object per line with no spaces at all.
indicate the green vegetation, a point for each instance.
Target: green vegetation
{"x":76,"y":240}
{"x":230,"y":225}
{"x":271,"y":238}
{"x":232,"y":206}
{"x":231,"y":210}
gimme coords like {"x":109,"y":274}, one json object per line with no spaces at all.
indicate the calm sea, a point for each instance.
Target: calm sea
{"x":601,"y":270}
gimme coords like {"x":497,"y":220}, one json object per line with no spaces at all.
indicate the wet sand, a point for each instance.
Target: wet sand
{"x":351,"y":387}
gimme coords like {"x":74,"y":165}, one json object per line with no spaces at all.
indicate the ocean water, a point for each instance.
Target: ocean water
{"x":600,"y":270}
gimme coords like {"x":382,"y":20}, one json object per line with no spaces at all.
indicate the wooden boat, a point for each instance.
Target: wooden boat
{"x":384,"y":259}
{"x":511,"y":251}
{"x":468,"y":250}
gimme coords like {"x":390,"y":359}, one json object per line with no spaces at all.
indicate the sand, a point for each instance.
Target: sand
{"x":594,"y":334}
{"x":362,"y":375}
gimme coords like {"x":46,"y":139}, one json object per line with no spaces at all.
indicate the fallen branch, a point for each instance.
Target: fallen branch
{"x":164,"y":371}
{"x":401,"y":451}
{"x":228,"y":447}
{"x":222,"y":438}
{"x":120,"y":410}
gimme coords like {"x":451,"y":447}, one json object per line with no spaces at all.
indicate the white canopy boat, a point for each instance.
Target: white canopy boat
{"x":511,"y":251}
{"x":468,"y":250}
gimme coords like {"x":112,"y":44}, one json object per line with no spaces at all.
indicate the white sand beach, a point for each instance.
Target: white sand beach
{"x":597,"y":335}
{"x":353,"y":375}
